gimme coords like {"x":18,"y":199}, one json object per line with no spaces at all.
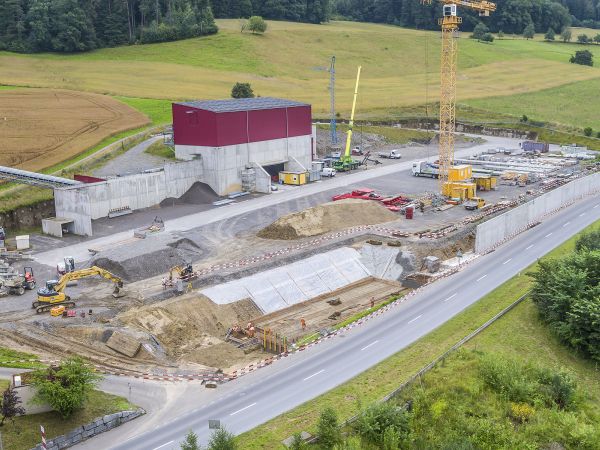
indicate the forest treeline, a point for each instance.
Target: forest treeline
{"x":80,"y":25}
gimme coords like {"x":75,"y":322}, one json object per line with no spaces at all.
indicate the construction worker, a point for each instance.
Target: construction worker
{"x":303,"y":324}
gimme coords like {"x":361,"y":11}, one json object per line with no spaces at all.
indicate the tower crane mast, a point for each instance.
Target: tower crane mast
{"x":450,"y":24}
{"x":333,"y":124}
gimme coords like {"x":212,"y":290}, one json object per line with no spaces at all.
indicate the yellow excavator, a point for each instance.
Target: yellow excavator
{"x":53,"y":294}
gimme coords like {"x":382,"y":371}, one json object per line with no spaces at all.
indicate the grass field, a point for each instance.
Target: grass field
{"x":395,"y":70}
{"x":517,"y":333}
{"x":43,"y":127}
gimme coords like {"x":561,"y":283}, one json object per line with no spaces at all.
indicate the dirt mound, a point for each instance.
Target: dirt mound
{"x":328,"y":217}
{"x":198,"y":194}
{"x":192,"y":327}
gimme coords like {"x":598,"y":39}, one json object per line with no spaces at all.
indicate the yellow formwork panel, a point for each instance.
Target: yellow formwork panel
{"x":296,"y":178}
{"x":460,"y":173}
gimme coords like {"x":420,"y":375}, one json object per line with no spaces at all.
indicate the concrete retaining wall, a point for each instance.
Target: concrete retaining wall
{"x":92,"y":429}
{"x":139,"y":191}
{"x":502,"y":227}
{"x":223,"y":165}
{"x":26,"y":394}
{"x":281,"y":287}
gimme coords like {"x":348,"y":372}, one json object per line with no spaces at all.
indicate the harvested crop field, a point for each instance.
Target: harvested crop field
{"x":326,"y":218}
{"x":40,"y":128}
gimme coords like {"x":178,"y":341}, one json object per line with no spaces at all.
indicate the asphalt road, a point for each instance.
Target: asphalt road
{"x":263,"y":395}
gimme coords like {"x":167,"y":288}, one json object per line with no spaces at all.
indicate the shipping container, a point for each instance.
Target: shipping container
{"x":294,"y":178}
{"x":532,"y":146}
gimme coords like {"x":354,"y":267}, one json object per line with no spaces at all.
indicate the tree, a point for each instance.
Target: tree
{"x":479,"y":31}
{"x":566,"y":35}
{"x":583,"y":39}
{"x":66,"y":387}
{"x":328,"y":429}
{"x":10,"y":405}
{"x":190,"y":442}
{"x":256,"y":25}
{"x":529,"y":32}
{"x":382,"y":422}
{"x":242,"y":90}
{"x":221,"y":439}
{"x":487,"y":37}
{"x":549,"y":36}
{"x":582,"y":57}
{"x":566,"y":292}
{"x":588,"y":241}
{"x":588,"y":131}
{"x":597,"y":39}
{"x":500,"y":34}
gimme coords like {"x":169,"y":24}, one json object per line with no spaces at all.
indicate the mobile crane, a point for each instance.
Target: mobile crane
{"x":346,"y":163}
{"x":54,"y":293}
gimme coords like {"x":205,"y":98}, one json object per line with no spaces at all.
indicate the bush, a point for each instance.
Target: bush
{"x":550,"y":35}
{"x":521,"y":412}
{"x":479,"y":31}
{"x":487,"y":37}
{"x":298,"y":443}
{"x":588,"y":241}
{"x":583,"y":39}
{"x":221,"y":439}
{"x":588,"y":131}
{"x":373,"y":423}
{"x":65,"y":388}
{"x":242,"y":90}
{"x":190,"y":442}
{"x":328,"y":429}
{"x":256,"y":25}
{"x":582,"y":57}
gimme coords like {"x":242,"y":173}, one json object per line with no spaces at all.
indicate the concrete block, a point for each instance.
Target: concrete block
{"x":88,"y":426}
{"x":124,"y":344}
{"x":112,"y":424}
{"x":74,"y":432}
{"x":100,"y":429}
{"x":110,"y":417}
{"x":89,"y":433}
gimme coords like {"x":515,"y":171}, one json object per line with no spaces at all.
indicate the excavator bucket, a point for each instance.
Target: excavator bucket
{"x":118,"y":292}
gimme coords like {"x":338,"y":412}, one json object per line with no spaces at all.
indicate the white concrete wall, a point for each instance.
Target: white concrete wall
{"x":138,"y":191}
{"x":223,"y":165}
{"x":26,"y":394}
{"x":496,"y":230}
{"x":263,"y":180}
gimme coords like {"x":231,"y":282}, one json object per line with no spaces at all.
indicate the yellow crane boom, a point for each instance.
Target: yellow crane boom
{"x":450,"y":23}
{"x":351,"y":124}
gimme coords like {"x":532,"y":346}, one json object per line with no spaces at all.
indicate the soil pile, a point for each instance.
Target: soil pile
{"x":328,"y":217}
{"x":198,"y":194}
{"x":192,"y":328}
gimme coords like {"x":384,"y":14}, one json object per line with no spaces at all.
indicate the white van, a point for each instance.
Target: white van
{"x":328,"y":172}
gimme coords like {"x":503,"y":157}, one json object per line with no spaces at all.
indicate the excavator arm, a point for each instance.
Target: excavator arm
{"x":84,"y":273}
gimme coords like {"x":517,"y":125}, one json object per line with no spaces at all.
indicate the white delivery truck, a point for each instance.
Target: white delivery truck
{"x":392,"y":154}
{"x":425,"y":169}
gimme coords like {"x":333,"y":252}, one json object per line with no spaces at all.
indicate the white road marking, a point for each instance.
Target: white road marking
{"x":314,"y":375}
{"x":416,"y":318}
{"x":243,"y":409}
{"x":371,"y":344}
{"x":582,"y":214}
{"x":507,"y":261}
{"x":451,"y":297}
{"x":548,"y":235}
{"x":164,"y":445}
{"x":529,"y":247}
{"x":566,"y":224}
{"x":481,"y":278}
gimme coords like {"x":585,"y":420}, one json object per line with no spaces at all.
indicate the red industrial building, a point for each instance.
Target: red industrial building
{"x":268,"y":134}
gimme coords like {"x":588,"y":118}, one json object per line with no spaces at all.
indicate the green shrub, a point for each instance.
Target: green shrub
{"x":328,"y":429}
{"x":373,"y":423}
{"x":521,"y":412}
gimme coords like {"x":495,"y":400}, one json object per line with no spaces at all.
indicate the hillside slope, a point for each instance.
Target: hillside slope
{"x":290,"y":60}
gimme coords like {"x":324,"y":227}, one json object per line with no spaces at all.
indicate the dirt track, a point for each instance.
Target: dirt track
{"x":42,"y":127}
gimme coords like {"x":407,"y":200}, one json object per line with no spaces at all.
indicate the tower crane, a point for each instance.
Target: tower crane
{"x":450,"y":23}
{"x":332,"y":125}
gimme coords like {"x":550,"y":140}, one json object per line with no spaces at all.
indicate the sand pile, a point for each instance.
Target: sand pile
{"x":192,"y":328}
{"x":328,"y":217}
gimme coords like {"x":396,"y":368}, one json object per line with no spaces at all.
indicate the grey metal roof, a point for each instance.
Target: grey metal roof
{"x":242,"y":104}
